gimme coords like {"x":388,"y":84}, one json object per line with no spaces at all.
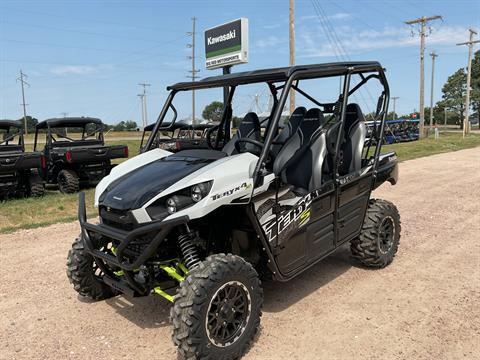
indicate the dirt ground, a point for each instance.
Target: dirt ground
{"x":426,"y":305}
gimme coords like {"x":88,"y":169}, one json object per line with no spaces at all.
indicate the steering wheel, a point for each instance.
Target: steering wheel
{"x":256,"y":143}
{"x":208,"y":137}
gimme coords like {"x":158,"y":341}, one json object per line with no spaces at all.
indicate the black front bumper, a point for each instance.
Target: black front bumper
{"x":90,"y":233}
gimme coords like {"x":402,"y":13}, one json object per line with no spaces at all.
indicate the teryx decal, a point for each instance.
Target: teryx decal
{"x":301,"y":211}
{"x":243,"y":186}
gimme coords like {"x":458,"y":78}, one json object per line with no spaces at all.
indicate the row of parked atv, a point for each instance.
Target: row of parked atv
{"x":73,"y":155}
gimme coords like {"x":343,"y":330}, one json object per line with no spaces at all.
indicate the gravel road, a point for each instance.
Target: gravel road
{"x":426,"y":305}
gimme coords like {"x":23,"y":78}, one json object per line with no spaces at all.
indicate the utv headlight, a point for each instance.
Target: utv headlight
{"x":201,"y":190}
{"x":179,"y":200}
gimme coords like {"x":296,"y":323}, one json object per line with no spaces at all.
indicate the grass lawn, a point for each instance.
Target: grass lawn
{"x":448,"y":141}
{"x":56,"y":207}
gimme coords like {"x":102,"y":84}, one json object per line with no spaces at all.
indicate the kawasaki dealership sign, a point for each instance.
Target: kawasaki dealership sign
{"x":227,"y":44}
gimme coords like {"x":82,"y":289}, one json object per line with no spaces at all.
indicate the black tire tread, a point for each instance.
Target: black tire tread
{"x":72,"y":182}
{"x":192,"y":295}
{"x":36,"y":187}
{"x":80,"y":274}
{"x":365,"y":247}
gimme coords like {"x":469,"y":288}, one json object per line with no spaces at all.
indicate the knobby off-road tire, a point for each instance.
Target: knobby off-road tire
{"x":378,"y":242}
{"x":68,"y":182}
{"x":35,"y":185}
{"x":81,"y":273}
{"x":205,"y":302}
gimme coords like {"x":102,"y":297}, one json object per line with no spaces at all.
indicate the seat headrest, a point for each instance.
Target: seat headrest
{"x":354,"y":114}
{"x":312,"y":120}
{"x":296,"y":118}
{"x":249,"y":124}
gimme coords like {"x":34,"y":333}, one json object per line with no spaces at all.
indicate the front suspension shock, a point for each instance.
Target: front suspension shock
{"x":189,"y":252}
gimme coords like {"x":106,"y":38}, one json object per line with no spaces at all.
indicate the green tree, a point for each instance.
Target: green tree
{"x":213,"y":111}
{"x":454,"y":92}
{"x":31,"y":123}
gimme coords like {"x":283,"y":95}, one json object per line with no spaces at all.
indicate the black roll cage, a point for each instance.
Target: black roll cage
{"x":48,"y":131}
{"x":289,"y":79}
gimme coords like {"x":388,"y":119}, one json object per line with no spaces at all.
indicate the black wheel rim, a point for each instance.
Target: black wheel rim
{"x":228,"y":314}
{"x":386,"y":234}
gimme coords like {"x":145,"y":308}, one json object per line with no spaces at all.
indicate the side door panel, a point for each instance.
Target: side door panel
{"x":352,"y":201}
{"x":305,"y":231}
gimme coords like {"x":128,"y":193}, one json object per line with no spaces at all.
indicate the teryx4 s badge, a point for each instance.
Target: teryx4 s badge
{"x":243,"y":186}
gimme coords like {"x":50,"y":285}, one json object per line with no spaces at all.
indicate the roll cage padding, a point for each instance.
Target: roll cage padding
{"x":249,"y":128}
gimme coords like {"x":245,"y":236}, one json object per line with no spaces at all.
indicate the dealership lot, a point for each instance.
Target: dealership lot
{"x":416,"y":308}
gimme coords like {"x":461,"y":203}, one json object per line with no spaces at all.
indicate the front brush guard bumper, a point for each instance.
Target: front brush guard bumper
{"x":88,"y":232}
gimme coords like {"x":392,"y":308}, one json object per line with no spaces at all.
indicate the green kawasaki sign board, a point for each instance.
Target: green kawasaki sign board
{"x":227,"y":44}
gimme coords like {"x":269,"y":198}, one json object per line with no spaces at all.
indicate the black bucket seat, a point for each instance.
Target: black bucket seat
{"x":354,"y":134}
{"x":288,"y":130}
{"x":299,"y":162}
{"x":249,"y":128}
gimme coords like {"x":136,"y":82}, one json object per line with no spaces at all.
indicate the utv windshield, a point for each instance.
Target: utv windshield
{"x":11,"y":137}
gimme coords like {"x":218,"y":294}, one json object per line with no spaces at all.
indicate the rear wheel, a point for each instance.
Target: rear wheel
{"x":84,"y":274}
{"x":378,"y":242}
{"x":36,"y":187}
{"x":68,"y":182}
{"x":217,"y":309}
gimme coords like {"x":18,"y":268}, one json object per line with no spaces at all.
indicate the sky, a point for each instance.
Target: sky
{"x":86,"y":58}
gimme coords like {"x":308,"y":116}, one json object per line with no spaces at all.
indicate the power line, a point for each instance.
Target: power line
{"x":423,"y":21}
{"x":23,"y":82}
{"x":469,"y":43}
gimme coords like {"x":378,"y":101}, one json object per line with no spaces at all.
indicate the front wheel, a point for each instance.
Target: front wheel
{"x":84,"y":274}
{"x":217,"y":309}
{"x":378,"y":242}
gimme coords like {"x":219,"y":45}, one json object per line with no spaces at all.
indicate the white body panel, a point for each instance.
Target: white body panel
{"x":232,"y":179}
{"x":127,"y":166}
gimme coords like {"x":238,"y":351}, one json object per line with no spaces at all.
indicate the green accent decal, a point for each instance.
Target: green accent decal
{"x":224,"y":51}
{"x":304,"y":217}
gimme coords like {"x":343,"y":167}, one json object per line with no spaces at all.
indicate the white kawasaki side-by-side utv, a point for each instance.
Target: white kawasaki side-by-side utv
{"x":202,"y":227}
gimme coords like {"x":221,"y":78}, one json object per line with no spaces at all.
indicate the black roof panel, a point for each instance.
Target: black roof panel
{"x":10,"y":123}
{"x":277,"y":74}
{"x":68,"y":121}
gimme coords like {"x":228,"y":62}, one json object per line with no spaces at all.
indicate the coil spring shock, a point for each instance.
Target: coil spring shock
{"x":188,"y":249}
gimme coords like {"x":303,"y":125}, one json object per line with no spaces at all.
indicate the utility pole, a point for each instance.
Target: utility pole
{"x":433,"y":55}
{"x":445,"y":113}
{"x":466,"y":128}
{"x":193,"y":71}
{"x":394,"y":98}
{"x":143,"y":97}
{"x":291,"y":34}
{"x":23,"y":82}
{"x":64,"y":116}
{"x":423,"y":25}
